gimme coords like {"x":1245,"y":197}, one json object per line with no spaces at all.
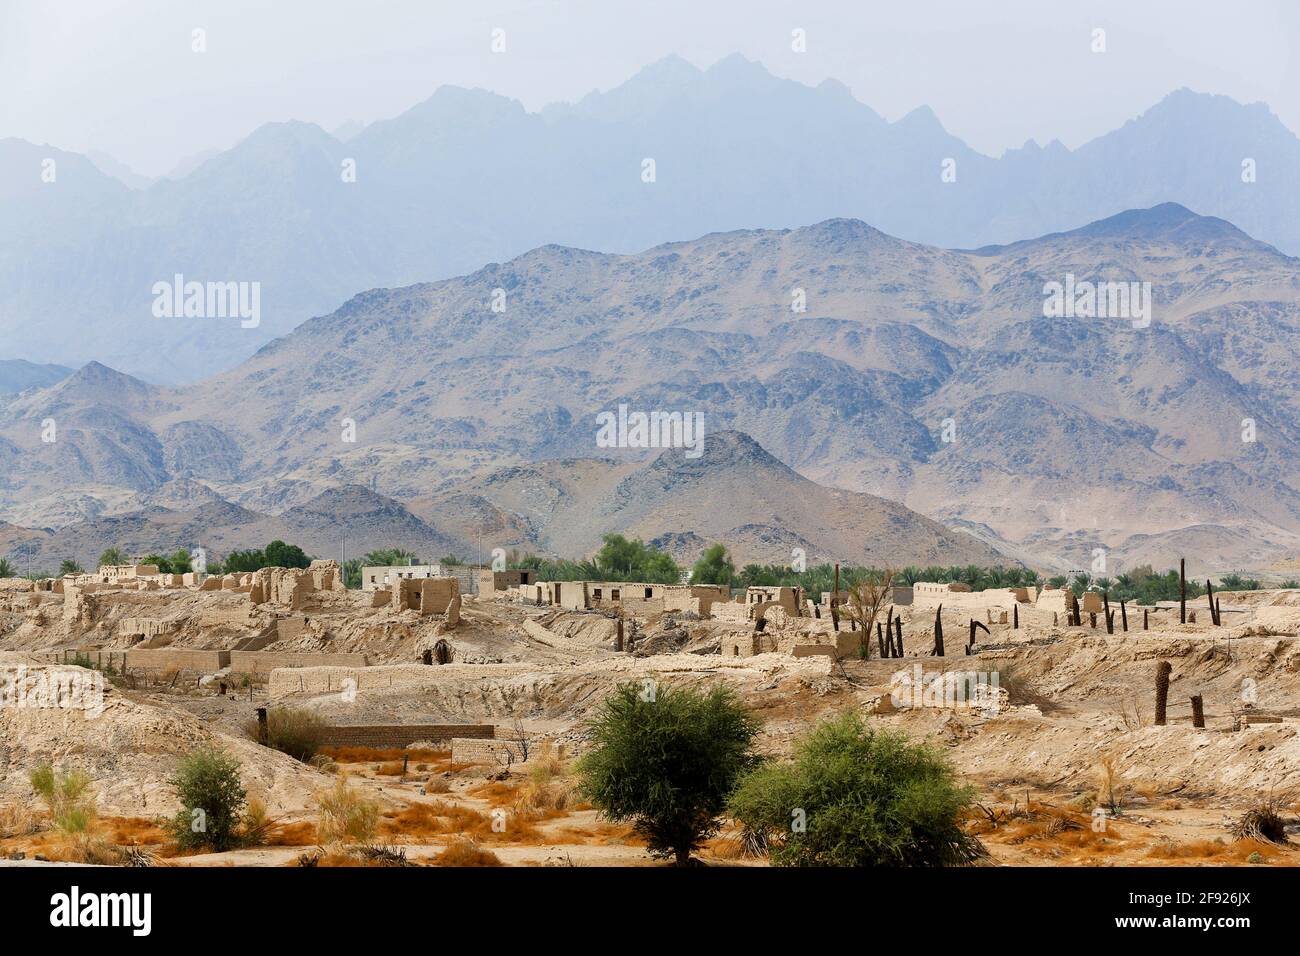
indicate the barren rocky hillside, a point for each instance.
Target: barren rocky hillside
{"x":1067,"y":434}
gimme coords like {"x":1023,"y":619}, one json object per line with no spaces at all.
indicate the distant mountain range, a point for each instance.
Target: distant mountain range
{"x":17,"y":375}
{"x":467,"y":178}
{"x":917,"y":374}
{"x":557,"y":507}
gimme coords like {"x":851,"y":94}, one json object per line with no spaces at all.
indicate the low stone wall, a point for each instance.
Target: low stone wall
{"x":263,"y":662}
{"x":468,"y":750}
{"x":161,"y":659}
{"x":403,"y":735}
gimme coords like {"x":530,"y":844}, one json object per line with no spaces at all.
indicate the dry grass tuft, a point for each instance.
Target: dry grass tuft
{"x":464,"y":852}
{"x":1262,"y":823}
{"x":346,"y":816}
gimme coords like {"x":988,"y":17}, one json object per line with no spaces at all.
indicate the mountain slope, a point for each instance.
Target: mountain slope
{"x":926,"y":376}
{"x":468,"y":177}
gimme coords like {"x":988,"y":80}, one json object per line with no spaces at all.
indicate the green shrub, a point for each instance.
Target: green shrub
{"x":666,"y":760}
{"x":291,"y":730}
{"x":71,"y":802}
{"x":212,"y":800}
{"x":856,"y":797}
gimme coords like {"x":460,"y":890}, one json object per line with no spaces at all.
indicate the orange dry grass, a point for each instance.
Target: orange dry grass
{"x":599,"y":834}
{"x":302,"y":833}
{"x":496,"y":793}
{"x":466,"y":853}
{"x":391,"y":769}
{"x":373,"y":754}
{"x":437,"y":818}
{"x":133,"y":831}
{"x":1213,"y":851}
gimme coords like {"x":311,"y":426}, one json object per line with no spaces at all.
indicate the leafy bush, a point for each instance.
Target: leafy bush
{"x":856,"y":797}
{"x":291,"y":730}
{"x":212,"y":800}
{"x":666,"y":760}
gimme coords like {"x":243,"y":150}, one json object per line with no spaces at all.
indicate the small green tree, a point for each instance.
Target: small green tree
{"x":352,"y":573}
{"x":7,"y":570}
{"x":388,"y":558}
{"x":282,"y":555}
{"x":714,"y":567}
{"x":112,"y":556}
{"x":181,"y":562}
{"x":666,"y":759}
{"x":212,"y":800}
{"x":858,"y":797}
{"x":160,"y":561}
{"x":69,"y":566}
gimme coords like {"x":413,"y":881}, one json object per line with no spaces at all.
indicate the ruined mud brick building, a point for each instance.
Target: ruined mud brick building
{"x":489,"y":582}
{"x":383,"y":577}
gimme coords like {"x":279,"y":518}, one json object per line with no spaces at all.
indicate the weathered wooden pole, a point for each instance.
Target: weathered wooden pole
{"x":880,"y":640}
{"x":1198,"y":711}
{"x":1123,"y":616}
{"x":835,"y":601}
{"x":618,"y":634}
{"x":1110,"y":621}
{"x":1015,"y":616}
{"x":1163,"y":670}
{"x":898,"y":625}
{"x":938,"y":631}
{"x":1145,"y":620}
{"x":1209,"y":596}
{"x":1182,"y":590}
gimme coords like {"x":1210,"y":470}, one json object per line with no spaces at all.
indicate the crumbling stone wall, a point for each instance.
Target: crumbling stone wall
{"x":162,"y":659}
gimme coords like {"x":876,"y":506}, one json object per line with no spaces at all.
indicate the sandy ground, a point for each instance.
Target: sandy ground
{"x":1076,"y":731}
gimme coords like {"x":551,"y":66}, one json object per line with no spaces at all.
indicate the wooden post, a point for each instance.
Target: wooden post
{"x":1110,"y":622}
{"x":880,"y":641}
{"x":1145,"y":621}
{"x":263,"y":732}
{"x":1092,"y":620}
{"x":1015,"y":616}
{"x":1105,"y":603}
{"x":1182,"y":590}
{"x":618,"y":634}
{"x":938,"y":631}
{"x":1198,"y":712}
{"x":1163,"y":670}
{"x":1123,"y":616}
{"x":898,"y":625}
{"x":1209,"y":593}
{"x":405,"y":760}
{"x":835,"y":601}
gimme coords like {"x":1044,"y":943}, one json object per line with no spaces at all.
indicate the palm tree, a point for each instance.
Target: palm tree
{"x":112,"y":556}
{"x":909,"y":575}
{"x":7,"y":570}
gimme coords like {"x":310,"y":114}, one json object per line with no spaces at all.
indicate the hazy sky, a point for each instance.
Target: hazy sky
{"x":120,"y":76}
